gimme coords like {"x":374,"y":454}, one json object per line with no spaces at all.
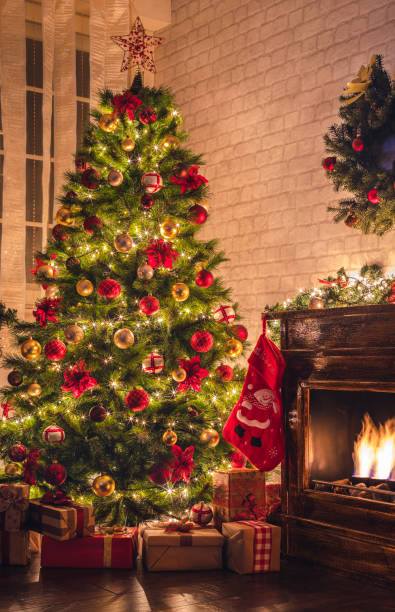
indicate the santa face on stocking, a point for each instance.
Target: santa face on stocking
{"x":255,"y":414}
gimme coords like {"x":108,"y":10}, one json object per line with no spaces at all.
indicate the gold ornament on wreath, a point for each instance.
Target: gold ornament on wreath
{"x":108,"y":123}
{"x":123,"y":243}
{"x":170,"y":142}
{"x":34,"y":389}
{"x":316,"y":303}
{"x":123,"y":338}
{"x":180,"y":292}
{"x":128,"y":144}
{"x":103,"y":485}
{"x":84,"y":287}
{"x":169,"y":437}
{"x":179,"y":375}
{"x":31,"y":349}
{"x":234,"y":348}
{"x":210,"y":437}
{"x":73,"y":334}
{"x":169,"y":229}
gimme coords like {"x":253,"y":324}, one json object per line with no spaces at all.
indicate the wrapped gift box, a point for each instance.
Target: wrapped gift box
{"x":117,"y":551}
{"x":199,"y":549}
{"x":35,"y":542}
{"x":14,"y":548}
{"x":238,"y":494}
{"x":252,"y":547}
{"x":61,"y":522}
{"x":14,"y":503}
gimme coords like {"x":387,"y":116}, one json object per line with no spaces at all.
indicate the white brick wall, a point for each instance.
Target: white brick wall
{"x":258,"y":83}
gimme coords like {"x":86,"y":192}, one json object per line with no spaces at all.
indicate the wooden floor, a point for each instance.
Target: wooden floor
{"x":297,"y":587}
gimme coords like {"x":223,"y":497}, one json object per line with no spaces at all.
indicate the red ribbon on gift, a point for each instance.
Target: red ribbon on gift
{"x":183,"y":526}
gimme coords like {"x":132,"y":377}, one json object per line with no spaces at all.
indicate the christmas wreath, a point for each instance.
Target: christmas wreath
{"x":362,"y":151}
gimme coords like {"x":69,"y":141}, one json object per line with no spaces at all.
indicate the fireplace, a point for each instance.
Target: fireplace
{"x":339,"y":416}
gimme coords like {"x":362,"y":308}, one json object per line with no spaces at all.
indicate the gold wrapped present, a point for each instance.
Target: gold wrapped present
{"x":14,"y":502}
{"x":61,"y":522}
{"x":14,"y":548}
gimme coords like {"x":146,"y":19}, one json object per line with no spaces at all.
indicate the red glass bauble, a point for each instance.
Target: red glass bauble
{"x":204,"y":278}
{"x":225,"y":372}
{"x":91,"y":223}
{"x":15,"y":378}
{"x":159,"y":473}
{"x":71,"y":194}
{"x":373,"y":196}
{"x":55,"y":350}
{"x":357,"y":144}
{"x":329,"y":163}
{"x":202,"y":341}
{"x":147,"y":201}
{"x":197,"y":214}
{"x":90,"y":178}
{"x":109,"y":288}
{"x":55,"y":474}
{"x":147,"y":115}
{"x":149,"y":305}
{"x":81,"y":165}
{"x":180,"y":170}
{"x":237,"y":460}
{"x":98,"y":414}
{"x":59,"y":232}
{"x":239,"y":331}
{"x":17,"y":452}
{"x":137,"y":399}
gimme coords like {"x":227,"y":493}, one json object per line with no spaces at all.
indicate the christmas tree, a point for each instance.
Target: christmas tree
{"x":123,"y":382}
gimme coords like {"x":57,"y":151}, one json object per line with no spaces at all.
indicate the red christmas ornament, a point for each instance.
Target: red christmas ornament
{"x":55,"y":474}
{"x":137,"y":399}
{"x":373,"y":196}
{"x":225,"y":372}
{"x":201,"y":514}
{"x":182,"y":465}
{"x":239,"y":331}
{"x":191,"y":181}
{"x":357,"y":144}
{"x":59,"y":232}
{"x":202,"y":341}
{"x":149,"y":305}
{"x":204,"y":278}
{"x":147,"y":201}
{"x":78,"y":380}
{"x":17,"y":452}
{"x":46,"y":311}
{"x":90,"y":178}
{"x":329,"y":163}
{"x":80,"y":165}
{"x":126,"y":103}
{"x":237,"y":459}
{"x":109,"y":288}
{"x":72,"y":194}
{"x":30,"y":466}
{"x":195,"y":374}
{"x":160,"y":253}
{"x":197,"y":214}
{"x":55,"y":350}
{"x":159,"y":473}
{"x":224,"y":314}
{"x":91,"y":223}
{"x":147,"y":115}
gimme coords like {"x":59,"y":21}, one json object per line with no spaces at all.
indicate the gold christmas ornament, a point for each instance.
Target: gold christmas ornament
{"x":169,"y":437}
{"x":169,"y":228}
{"x":123,"y":243}
{"x":234,"y":348}
{"x":128,"y":144}
{"x":34,"y":390}
{"x":316,"y":303}
{"x":180,"y":292}
{"x":73,"y":334}
{"x":145,"y":272}
{"x":179,"y":375}
{"x":201,"y":265}
{"x":210,"y":437}
{"x":170,"y":142}
{"x":115,"y":177}
{"x":103,"y":485}
{"x":107,"y":122}
{"x":84,"y":287}
{"x":51,"y":291}
{"x":64,"y":216}
{"x":46,"y":270}
{"x":31,"y":349}
{"x":205,"y":204}
{"x":12,"y":469}
{"x":123,"y":338}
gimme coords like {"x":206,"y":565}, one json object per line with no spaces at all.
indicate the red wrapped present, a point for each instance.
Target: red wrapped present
{"x":14,"y":548}
{"x":14,"y":502}
{"x":117,"y":550}
{"x":61,"y":522}
{"x":252,"y":547}
{"x":239,"y":494}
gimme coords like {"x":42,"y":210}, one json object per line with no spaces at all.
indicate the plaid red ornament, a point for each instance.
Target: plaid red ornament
{"x":202,"y":341}
{"x":137,"y":399}
{"x":109,"y":289}
{"x":152,"y":182}
{"x":78,"y":380}
{"x":55,"y":350}
{"x":91,"y":223}
{"x":153,"y":363}
{"x":191,"y":181}
{"x":30,"y":466}
{"x":224,"y":314}
{"x":46,"y":311}
{"x":147,"y":115}
{"x":182,"y":465}
{"x":126,"y":103}
{"x":160,"y":253}
{"x":195,"y":374}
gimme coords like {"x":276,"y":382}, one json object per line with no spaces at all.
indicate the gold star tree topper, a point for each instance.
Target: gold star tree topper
{"x":138,"y":48}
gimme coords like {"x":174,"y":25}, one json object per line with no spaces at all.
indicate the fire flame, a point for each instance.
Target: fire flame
{"x":374,"y":450}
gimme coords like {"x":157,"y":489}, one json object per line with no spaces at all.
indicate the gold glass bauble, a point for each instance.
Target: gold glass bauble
{"x":234,"y":348}
{"x":201,"y":265}
{"x":169,"y":437}
{"x":170,"y":142}
{"x":31,"y":349}
{"x":180,"y":292}
{"x":51,"y":291}
{"x":64,"y":216}
{"x":169,"y":228}
{"x":12,"y":469}
{"x":123,"y":338}
{"x":107,"y":122}
{"x":128,"y":144}
{"x":84,"y":287}
{"x":73,"y":334}
{"x":115,"y":177}
{"x":210,"y":437}
{"x":179,"y":375}
{"x":34,"y":389}
{"x":316,"y":303}
{"x":46,"y":270}
{"x":103,"y":485}
{"x":123,"y":243}
{"x":205,"y":204}
{"x":145,"y":272}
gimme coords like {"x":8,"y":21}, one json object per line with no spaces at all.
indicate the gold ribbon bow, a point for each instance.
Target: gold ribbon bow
{"x":13,"y":504}
{"x":358,"y":86}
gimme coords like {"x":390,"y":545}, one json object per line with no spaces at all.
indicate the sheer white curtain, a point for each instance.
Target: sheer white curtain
{"x":48,"y":32}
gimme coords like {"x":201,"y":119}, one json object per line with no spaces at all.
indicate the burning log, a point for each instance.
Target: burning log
{"x":342,"y":490}
{"x":384,"y":487}
{"x":364,"y":492}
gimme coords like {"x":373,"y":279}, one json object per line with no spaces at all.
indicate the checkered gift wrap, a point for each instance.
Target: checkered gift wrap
{"x":262,"y":545}
{"x":252,"y":547}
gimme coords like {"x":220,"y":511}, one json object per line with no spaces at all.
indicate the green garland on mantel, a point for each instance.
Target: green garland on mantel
{"x":369,"y":286}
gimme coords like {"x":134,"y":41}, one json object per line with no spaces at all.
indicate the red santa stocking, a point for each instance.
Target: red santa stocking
{"x":255,"y":424}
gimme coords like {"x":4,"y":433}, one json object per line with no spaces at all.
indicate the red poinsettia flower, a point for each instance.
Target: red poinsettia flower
{"x":191,"y":181}
{"x":126,"y":103}
{"x":78,"y":380}
{"x":160,"y":253}
{"x":46,"y":311}
{"x":195,"y":374}
{"x":182,"y":465}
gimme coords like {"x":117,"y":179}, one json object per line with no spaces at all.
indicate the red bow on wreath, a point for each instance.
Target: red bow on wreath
{"x":391,"y":297}
{"x":78,"y":380}
{"x":191,"y":181}
{"x":30,"y":466}
{"x":46,"y":311}
{"x":160,"y":253}
{"x":56,"y":498}
{"x":182,"y":464}
{"x":126,"y":103}
{"x":195,"y":374}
